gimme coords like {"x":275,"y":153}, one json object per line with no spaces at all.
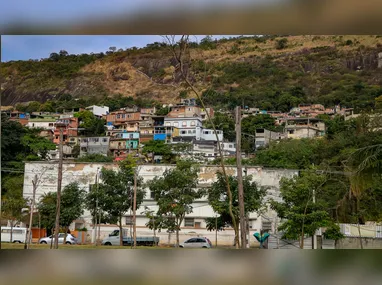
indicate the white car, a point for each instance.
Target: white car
{"x":70,"y":239}
{"x":199,"y":242}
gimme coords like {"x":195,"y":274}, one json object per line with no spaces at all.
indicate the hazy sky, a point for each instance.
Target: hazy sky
{"x":37,"y":47}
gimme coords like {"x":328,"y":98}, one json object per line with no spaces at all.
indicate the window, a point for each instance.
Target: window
{"x":96,"y":140}
{"x":183,"y":132}
{"x":230,"y":146}
{"x":189,"y":109}
{"x":168,"y":124}
{"x":72,"y":139}
{"x":118,"y":116}
{"x":123,"y":116}
{"x":189,"y":222}
{"x":128,"y":220}
{"x":129,"y":116}
{"x":50,"y":124}
{"x":184,"y":124}
{"x":176,"y":124}
{"x":190,"y":131}
{"x":192,"y":123}
{"x":152,"y":194}
{"x":104,"y":139}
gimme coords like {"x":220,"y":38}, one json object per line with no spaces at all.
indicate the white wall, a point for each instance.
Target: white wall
{"x":85,"y":173}
{"x":42,"y":125}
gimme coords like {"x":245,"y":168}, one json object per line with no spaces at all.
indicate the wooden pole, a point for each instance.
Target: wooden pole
{"x":134,"y":209}
{"x":240,"y":178}
{"x":34,"y":183}
{"x":59,"y":182}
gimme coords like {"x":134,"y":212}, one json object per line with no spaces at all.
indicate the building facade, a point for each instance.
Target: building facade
{"x":94,"y":145}
{"x":98,"y":111}
{"x":85,"y":174}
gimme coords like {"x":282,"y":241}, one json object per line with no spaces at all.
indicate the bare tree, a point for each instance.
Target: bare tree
{"x":181,"y":53}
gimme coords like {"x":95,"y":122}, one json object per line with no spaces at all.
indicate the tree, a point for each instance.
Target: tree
{"x":300,"y":214}
{"x":63,"y":53}
{"x":72,"y":202}
{"x":117,"y":191}
{"x":47,"y":209}
{"x":162,"y":111}
{"x":225,"y":123}
{"x":112,"y":49}
{"x":174,"y":192}
{"x":11,"y":134}
{"x":47,"y":107}
{"x":156,"y":147}
{"x":34,"y":146}
{"x":13,"y":200}
{"x":93,"y":125}
{"x":281,"y":43}
{"x":33,"y":107}
{"x":218,"y":199}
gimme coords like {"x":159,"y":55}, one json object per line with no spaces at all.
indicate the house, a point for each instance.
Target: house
{"x":186,"y":108}
{"x":264,"y":137}
{"x":42,"y":121}
{"x":98,"y":111}
{"x":69,"y":127}
{"x":20,"y":117}
{"x":162,"y":132}
{"x":123,"y":143}
{"x":189,"y":128}
{"x":94,"y":145}
{"x":204,"y":113}
{"x":304,"y":128}
{"x":209,"y":150}
{"x":122,"y":121}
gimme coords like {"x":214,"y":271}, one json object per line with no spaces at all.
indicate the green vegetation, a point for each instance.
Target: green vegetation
{"x":174,"y":192}
{"x":219,"y":201}
{"x":93,"y":125}
{"x":116,"y":191}
{"x":303,"y":216}
{"x":95,"y":158}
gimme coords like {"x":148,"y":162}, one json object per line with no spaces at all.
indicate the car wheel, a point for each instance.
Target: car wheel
{"x":181,"y":246}
{"x":107,"y":243}
{"x":43,"y":242}
{"x":204,"y":247}
{"x":68,"y":242}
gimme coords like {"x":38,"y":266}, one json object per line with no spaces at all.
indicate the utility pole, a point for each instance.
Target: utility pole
{"x":34,"y":183}
{"x":216,"y":231}
{"x":240,"y":178}
{"x":314,"y":245}
{"x":94,"y":233}
{"x":0,"y":188}
{"x":59,"y":182}
{"x":135,"y":208}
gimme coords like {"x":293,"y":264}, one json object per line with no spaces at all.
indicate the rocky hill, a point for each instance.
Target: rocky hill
{"x":271,"y":72}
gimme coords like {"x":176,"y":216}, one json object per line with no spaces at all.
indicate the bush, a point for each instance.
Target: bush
{"x":95,"y":158}
{"x":282,"y":43}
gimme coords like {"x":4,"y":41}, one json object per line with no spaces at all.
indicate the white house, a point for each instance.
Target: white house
{"x":42,"y":123}
{"x":98,"y":111}
{"x":85,"y":175}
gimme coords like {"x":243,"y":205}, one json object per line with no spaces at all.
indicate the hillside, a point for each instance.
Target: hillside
{"x":273,"y":73}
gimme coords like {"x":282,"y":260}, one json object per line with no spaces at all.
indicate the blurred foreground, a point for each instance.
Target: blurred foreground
{"x":190,"y":267}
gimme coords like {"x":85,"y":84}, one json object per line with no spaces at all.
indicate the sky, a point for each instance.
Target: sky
{"x":36,"y":47}
{"x":48,"y":10}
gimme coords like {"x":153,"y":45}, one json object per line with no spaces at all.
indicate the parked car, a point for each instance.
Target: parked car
{"x":199,"y":242}
{"x":70,"y":239}
{"x":113,"y":239}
